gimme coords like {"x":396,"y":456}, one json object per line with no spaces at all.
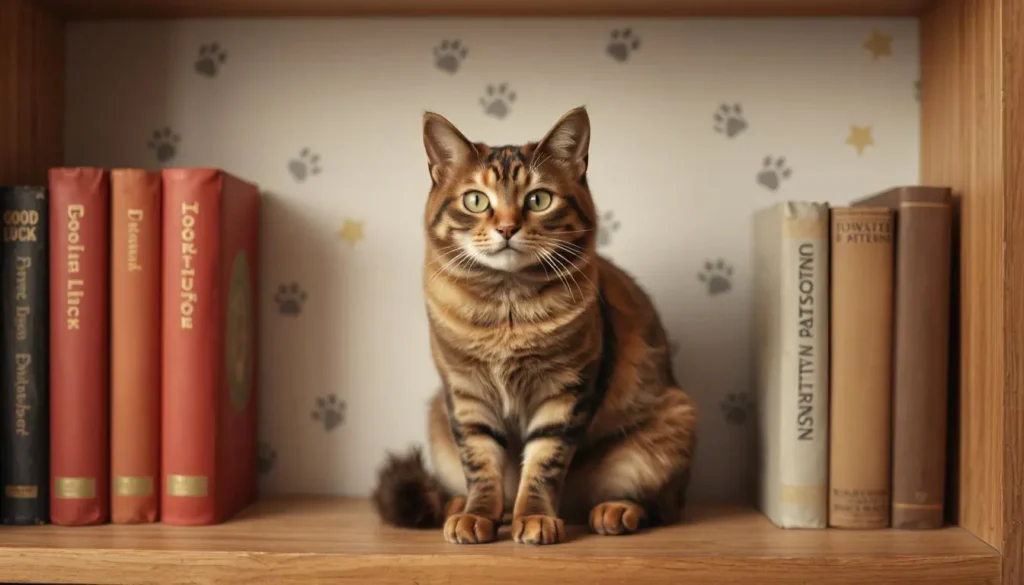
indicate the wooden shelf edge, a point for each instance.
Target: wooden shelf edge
{"x":254,"y":568}
{"x":306,"y":541}
{"x":95,"y":9}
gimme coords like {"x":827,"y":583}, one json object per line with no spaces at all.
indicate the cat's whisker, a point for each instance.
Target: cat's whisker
{"x":550,"y":240}
{"x":563,"y":272}
{"x":567,"y":265}
{"x":584,"y":274}
{"x":442,"y":269}
{"x":558,"y":273}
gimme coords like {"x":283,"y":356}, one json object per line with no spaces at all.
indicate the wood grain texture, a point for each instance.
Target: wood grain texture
{"x":219,"y":8}
{"x":962,"y":148}
{"x":973,"y":140}
{"x":1013,"y":291}
{"x":31,"y":91}
{"x":310,"y":541}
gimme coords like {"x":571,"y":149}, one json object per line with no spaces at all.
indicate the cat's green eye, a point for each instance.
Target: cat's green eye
{"x":538,"y":200}
{"x":476,"y":201}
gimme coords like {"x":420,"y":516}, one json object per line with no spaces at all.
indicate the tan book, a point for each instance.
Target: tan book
{"x":861,"y":362}
{"x":791,"y":268}
{"x":924,"y":225}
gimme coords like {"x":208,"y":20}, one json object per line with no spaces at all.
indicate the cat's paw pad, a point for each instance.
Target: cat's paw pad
{"x":469,"y":529}
{"x":538,"y":529}
{"x":612,"y":518}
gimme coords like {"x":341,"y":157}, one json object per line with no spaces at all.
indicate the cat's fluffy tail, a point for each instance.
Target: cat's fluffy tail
{"x":407,"y":495}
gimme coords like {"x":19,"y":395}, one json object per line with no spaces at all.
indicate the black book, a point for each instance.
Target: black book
{"x":24,"y":356}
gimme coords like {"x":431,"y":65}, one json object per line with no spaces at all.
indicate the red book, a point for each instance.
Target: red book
{"x":135,"y":270}
{"x":209,"y":328}
{"x":79,"y":345}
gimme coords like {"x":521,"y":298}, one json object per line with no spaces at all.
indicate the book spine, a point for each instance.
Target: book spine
{"x":191,"y":352}
{"x":79,"y":343}
{"x":804,"y":369}
{"x":861,"y":371}
{"x":24,"y":389}
{"x":920,"y":386}
{"x":136,"y":209}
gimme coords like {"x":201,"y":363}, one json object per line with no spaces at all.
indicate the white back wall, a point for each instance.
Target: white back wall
{"x":696,"y":123}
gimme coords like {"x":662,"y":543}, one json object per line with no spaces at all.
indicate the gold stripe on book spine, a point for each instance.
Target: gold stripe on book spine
{"x":187,"y":485}
{"x":21,"y":492}
{"x":74,"y":487}
{"x":133,"y":486}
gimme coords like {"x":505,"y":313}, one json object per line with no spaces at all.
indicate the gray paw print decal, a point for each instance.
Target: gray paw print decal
{"x":729,"y":120}
{"x":329,"y":412}
{"x":607,"y":225}
{"x":164,"y":143}
{"x":917,"y":90}
{"x":289,"y":299}
{"x":673,"y":347}
{"x":498,"y":100}
{"x":448,"y":56}
{"x":266,"y":458}
{"x":773,"y":172}
{"x":211,"y":57}
{"x":622,"y":44}
{"x":306,"y":165}
{"x":716,"y":276}
{"x":736,"y":408}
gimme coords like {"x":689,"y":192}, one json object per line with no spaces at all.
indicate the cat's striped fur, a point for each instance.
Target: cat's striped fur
{"x":558,"y":402}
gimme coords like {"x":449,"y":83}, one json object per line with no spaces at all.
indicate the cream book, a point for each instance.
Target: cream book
{"x":791,"y":311}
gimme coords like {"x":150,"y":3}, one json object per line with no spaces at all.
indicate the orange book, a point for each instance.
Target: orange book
{"x":79,"y":345}
{"x":209,"y":329}
{"x":135,"y":345}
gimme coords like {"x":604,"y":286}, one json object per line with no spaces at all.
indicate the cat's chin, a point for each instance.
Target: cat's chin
{"x":507,"y":260}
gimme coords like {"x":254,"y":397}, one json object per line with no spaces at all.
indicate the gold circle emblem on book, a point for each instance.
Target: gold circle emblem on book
{"x":239,"y":354}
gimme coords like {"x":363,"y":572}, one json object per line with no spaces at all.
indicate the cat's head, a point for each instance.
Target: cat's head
{"x":510,"y":208}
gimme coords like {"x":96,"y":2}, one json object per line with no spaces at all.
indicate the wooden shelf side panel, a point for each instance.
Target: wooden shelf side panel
{"x":972,"y":92}
{"x":31,"y":91}
{"x":1013,"y":303}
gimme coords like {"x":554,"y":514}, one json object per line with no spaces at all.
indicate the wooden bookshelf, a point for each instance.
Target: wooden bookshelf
{"x":972,"y":138}
{"x":305,"y":541}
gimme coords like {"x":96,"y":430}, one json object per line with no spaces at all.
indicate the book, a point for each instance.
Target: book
{"x":24,"y":369}
{"x":791,"y":296}
{"x":79,"y":345}
{"x":135,"y":256}
{"x":209,"y":329}
{"x":861,"y":366}
{"x":920,"y":387}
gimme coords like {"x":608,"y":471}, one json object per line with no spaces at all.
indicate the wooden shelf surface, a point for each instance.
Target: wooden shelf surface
{"x":309,"y":540}
{"x":77,"y":9}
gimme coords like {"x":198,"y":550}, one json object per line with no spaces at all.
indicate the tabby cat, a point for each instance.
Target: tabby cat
{"x":558,"y":399}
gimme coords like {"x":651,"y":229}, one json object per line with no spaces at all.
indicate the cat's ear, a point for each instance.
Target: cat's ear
{"x":568,"y":141}
{"x":446,"y":147}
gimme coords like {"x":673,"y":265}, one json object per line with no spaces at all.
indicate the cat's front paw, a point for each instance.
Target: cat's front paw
{"x":468,"y":529}
{"x":538,"y":529}
{"x":620,"y":517}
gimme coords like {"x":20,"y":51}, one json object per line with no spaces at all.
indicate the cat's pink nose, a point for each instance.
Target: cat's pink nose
{"x":508,"y":230}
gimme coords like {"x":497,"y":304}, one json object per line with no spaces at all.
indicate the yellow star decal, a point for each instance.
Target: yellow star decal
{"x":860,"y":137}
{"x":879,"y":45}
{"x":351,"y":231}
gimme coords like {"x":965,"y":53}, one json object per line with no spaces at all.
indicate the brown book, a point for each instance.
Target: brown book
{"x":924,"y":227}
{"x":861,"y":358}
{"x":135,"y":345}
{"x":209,"y":313}
{"x":79,"y":345}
